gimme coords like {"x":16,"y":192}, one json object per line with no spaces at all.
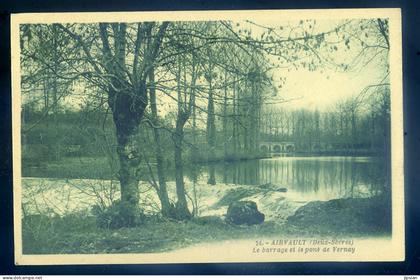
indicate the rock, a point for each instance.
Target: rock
{"x":267,"y":186}
{"x":274,"y":187}
{"x":244,"y":212}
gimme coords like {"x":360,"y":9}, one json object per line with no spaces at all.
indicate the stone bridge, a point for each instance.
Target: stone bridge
{"x":277,"y":147}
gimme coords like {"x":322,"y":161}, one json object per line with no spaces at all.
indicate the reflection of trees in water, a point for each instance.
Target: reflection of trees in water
{"x":380,"y":182}
{"x":212,"y":174}
{"x":317,"y":170}
{"x":345,"y":177}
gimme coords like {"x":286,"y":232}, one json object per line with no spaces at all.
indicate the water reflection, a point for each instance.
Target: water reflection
{"x":313,"y":178}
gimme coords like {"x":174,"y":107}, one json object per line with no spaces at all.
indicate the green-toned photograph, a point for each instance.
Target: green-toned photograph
{"x":155,"y":136}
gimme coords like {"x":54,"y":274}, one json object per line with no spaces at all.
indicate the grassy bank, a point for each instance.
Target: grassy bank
{"x":78,"y":234}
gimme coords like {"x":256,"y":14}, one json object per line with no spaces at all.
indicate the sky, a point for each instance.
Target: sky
{"x":316,"y":90}
{"x":322,"y":88}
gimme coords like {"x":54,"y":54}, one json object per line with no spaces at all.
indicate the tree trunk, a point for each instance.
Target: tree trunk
{"x":163,"y":193}
{"x":57,"y":145}
{"x":128,"y":109}
{"x":211,"y":133}
{"x":258,"y":128}
{"x":212,"y":174}
{"x":353,"y":130}
{"x":129,"y":161}
{"x":182,"y":211}
{"x":252,"y":119}
{"x":181,"y":204}
{"x":194,"y":149}
{"x":235,"y":121}
{"x":225,"y":132}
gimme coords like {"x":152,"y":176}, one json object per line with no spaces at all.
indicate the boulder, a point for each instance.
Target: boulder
{"x":244,"y":213}
{"x":281,"y":189}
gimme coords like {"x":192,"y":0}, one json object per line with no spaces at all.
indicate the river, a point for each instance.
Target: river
{"x":310,"y":178}
{"x":306,"y":179}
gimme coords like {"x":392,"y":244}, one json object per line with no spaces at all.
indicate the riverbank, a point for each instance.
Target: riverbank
{"x":344,"y":216}
{"x":104,"y":168}
{"x":339,"y":153}
{"x":57,"y":218}
{"x":78,"y":233}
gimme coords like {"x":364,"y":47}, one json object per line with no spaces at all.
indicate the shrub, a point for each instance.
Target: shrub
{"x":43,"y":234}
{"x":118,"y":215}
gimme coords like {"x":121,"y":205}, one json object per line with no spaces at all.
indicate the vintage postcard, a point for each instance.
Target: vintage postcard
{"x":208,"y":136}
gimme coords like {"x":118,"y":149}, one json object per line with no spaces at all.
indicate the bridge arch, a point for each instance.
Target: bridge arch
{"x":264,"y":148}
{"x":290,"y":147}
{"x":276,"y":148}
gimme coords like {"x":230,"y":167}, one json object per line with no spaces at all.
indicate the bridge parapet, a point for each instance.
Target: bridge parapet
{"x":277,"y":147}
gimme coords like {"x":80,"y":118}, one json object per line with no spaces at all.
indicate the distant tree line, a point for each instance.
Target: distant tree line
{"x":351,"y":126}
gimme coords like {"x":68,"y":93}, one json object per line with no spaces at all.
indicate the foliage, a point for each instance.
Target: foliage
{"x":117,"y":215}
